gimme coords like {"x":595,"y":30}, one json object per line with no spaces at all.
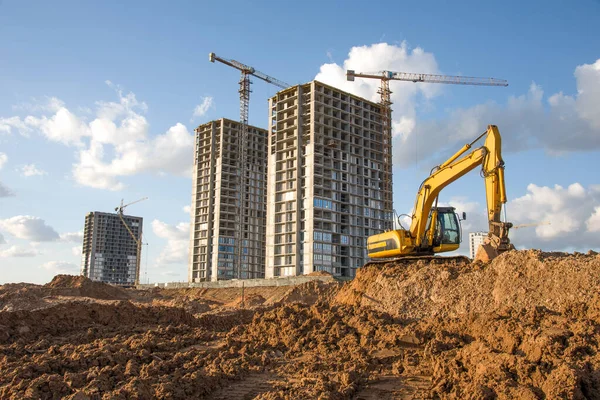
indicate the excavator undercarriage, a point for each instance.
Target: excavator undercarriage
{"x":429,"y":259}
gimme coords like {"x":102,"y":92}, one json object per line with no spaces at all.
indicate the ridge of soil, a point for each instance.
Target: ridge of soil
{"x":525,"y":325}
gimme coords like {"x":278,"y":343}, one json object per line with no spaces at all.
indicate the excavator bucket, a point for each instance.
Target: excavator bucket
{"x":491,"y":248}
{"x":486,"y":252}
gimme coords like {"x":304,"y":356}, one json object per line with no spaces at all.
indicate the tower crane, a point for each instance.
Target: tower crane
{"x":244,"y":91}
{"x":386,"y":76}
{"x":137,"y":241}
{"x":245,"y":82}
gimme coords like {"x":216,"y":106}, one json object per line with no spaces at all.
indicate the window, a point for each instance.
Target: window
{"x":226,"y":240}
{"x":323,"y":203}
{"x":451,"y":234}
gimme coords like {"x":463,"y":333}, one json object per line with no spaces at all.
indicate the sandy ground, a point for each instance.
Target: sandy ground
{"x":526,"y":325}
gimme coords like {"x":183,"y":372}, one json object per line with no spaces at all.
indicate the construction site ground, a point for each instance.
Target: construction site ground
{"x":524,"y":326}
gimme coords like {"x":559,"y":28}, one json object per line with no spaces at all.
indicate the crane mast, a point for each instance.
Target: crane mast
{"x":244,"y":92}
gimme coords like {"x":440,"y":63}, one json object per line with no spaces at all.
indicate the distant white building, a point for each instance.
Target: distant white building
{"x":475,"y":240}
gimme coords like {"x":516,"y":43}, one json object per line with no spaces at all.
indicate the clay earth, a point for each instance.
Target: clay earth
{"x":523,"y":326}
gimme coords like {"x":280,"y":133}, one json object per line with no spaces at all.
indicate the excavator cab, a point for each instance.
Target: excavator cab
{"x":446,"y":235}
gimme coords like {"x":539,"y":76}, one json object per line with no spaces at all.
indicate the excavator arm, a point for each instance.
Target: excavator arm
{"x":425,"y":225}
{"x":490,"y":158}
{"x":431,"y":188}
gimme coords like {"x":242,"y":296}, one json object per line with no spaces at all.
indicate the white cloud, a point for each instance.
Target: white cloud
{"x":558,"y":124}
{"x":202,"y":108}
{"x":77,"y":250}
{"x":51,"y":104}
{"x":114,"y":144}
{"x":15,"y":251}
{"x":7,"y":125}
{"x":178,"y":236}
{"x":187,"y":209}
{"x":120,"y":126}
{"x":72,"y":237}
{"x":593,"y":222}
{"x":63,"y":127}
{"x":2,"y":241}
{"x":565,"y":219}
{"x":170,"y":152}
{"x":566,"y":209}
{"x":61,"y":267}
{"x":32,"y":170}
{"x":30,"y":228}
{"x":5,"y":191}
{"x":383,"y":56}
{"x":588,"y":92}
{"x":126,"y":105}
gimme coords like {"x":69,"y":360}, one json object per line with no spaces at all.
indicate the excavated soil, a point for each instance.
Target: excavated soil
{"x":524,"y":326}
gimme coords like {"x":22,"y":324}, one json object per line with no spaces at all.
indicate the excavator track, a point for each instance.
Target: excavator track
{"x":428,"y":258}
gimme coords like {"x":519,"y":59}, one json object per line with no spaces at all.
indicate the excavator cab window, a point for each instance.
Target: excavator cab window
{"x":447,"y":230}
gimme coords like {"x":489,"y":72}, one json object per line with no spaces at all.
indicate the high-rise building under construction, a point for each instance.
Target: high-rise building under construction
{"x":227,"y":239}
{"x":110,"y":253}
{"x":329,"y":180}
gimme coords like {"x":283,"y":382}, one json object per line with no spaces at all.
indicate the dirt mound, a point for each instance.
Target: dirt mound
{"x":526,"y":326}
{"x":517,"y":279}
{"x":250,"y":300}
{"x":66,"y":317}
{"x":67,"y":281}
{"x":528,"y":354}
{"x":193,"y":306}
{"x":116,"y":351}
{"x":311,"y":292}
{"x":319,"y":273}
{"x":21,"y":296}
{"x":71,"y":285}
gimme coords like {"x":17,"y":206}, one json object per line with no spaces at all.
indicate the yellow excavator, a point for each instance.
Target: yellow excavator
{"x":436,"y":229}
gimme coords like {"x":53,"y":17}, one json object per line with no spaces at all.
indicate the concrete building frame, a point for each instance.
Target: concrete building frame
{"x":109,"y":252}
{"x":329,"y":182}
{"x":215,"y":208}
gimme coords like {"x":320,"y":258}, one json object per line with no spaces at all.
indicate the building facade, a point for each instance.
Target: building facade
{"x":475,"y":240}
{"x":110,"y":253}
{"x":227,"y":236}
{"x":329,"y":181}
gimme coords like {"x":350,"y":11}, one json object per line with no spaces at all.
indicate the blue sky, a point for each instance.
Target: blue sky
{"x":66,"y":66}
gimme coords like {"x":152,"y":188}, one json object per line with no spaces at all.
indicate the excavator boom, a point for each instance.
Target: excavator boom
{"x":435,"y":229}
